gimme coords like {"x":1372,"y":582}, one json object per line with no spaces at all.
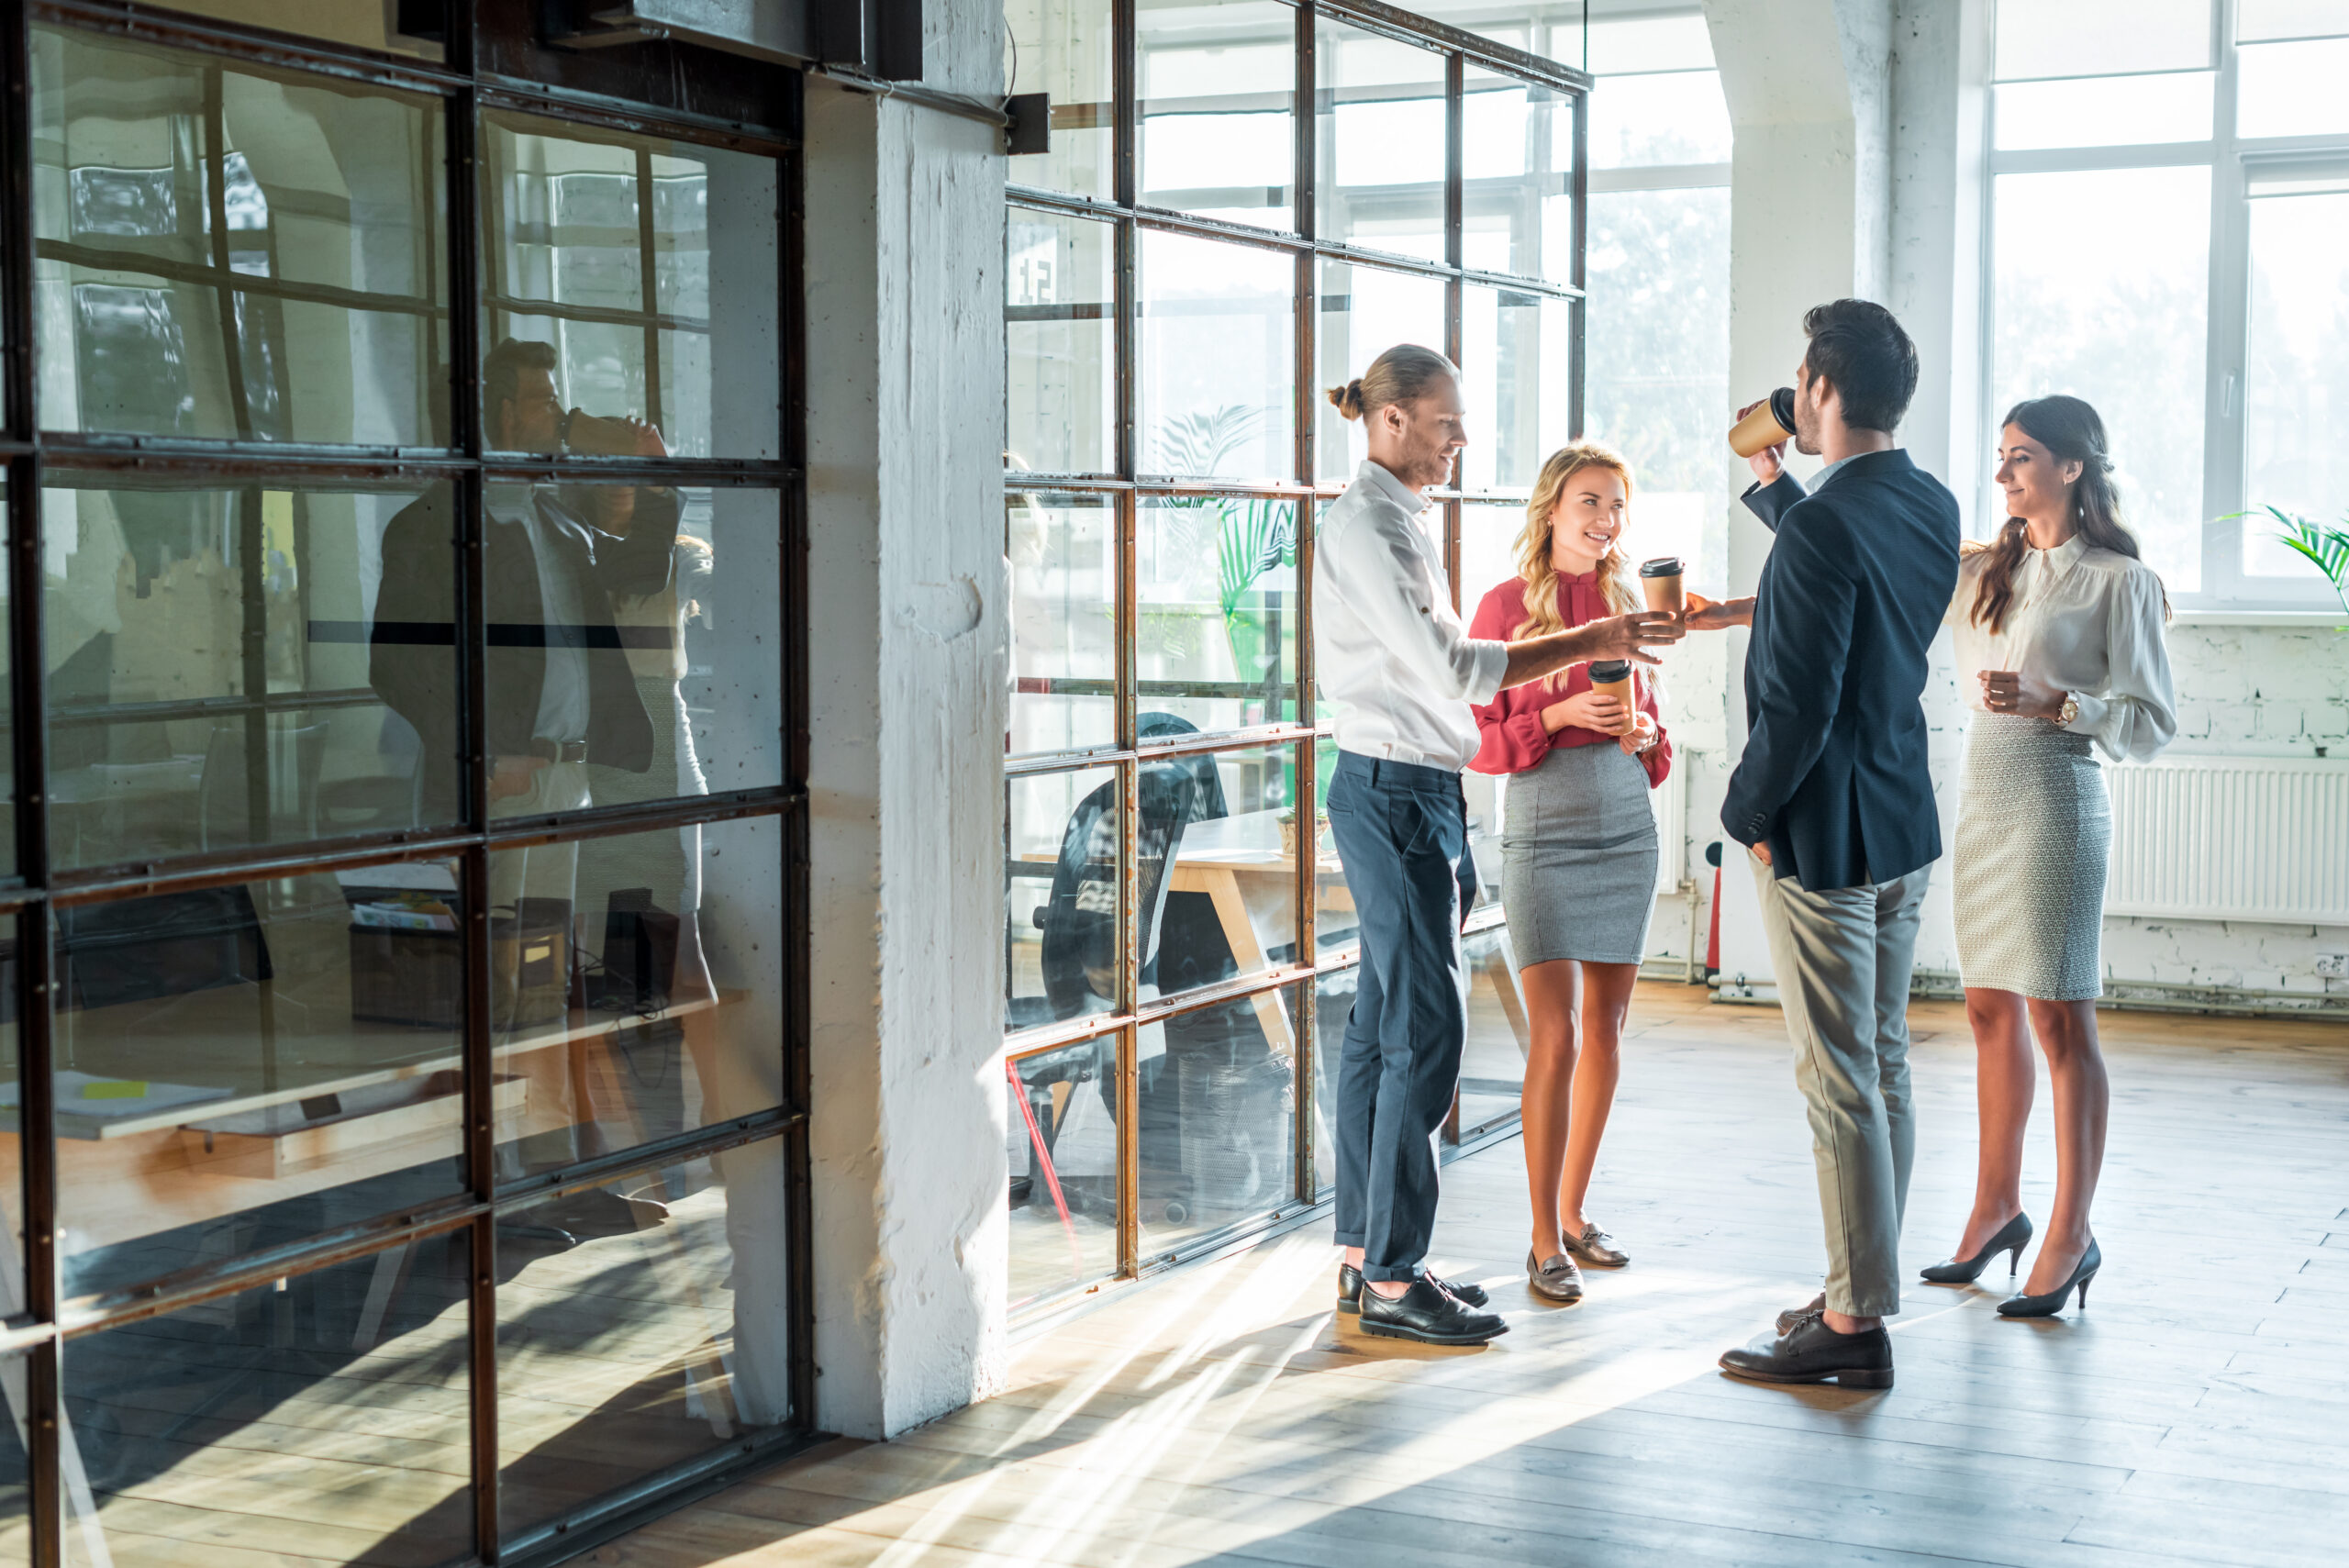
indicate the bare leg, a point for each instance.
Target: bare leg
{"x":2003,"y":1084}
{"x":1552,"y":1008}
{"x":1605,"y":1003}
{"x":2066,"y":1033}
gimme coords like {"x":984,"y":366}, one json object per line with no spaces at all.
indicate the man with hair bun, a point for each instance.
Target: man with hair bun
{"x":1390,"y":651}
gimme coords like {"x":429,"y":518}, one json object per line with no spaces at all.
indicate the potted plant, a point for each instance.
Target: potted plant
{"x":2326,"y":549}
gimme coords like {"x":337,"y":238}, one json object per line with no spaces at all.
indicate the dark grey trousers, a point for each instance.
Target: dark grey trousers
{"x":1402,"y":836}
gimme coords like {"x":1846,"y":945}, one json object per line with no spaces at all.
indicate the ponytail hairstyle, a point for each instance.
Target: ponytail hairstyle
{"x":1404,"y":374}
{"x":2071,"y":432}
{"x":1533,"y":560}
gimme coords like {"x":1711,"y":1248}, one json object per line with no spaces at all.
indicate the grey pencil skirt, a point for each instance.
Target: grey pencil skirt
{"x":1579,"y":858}
{"x":2034,"y":830}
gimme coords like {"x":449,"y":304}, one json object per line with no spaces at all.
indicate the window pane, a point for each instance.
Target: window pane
{"x":2297,"y":375}
{"x":1218,"y":358}
{"x":1217,"y":1142}
{"x":1518,"y":164}
{"x":1061,"y":367}
{"x":2256,"y":20}
{"x":1517,"y":366}
{"x":353,"y":22}
{"x":1677,"y":117}
{"x":15,"y":1497}
{"x":1658,"y":358}
{"x":635,"y":992}
{"x":1551,"y":28}
{"x":1063,"y":48}
{"x":618,"y":252}
{"x":634,"y":644}
{"x":2101,"y":37}
{"x":1364,"y":312}
{"x":2107,"y":111}
{"x":230,"y":667}
{"x":318,"y":1420}
{"x":229,"y":252}
{"x":1060,"y":896}
{"x":1217,"y":612}
{"x":245,"y":1066}
{"x":1063,"y":1149}
{"x":2116,"y":314}
{"x":1218,"y":108}
{"x":1492,"y":1064}
{"x":625,"y":1349}
{"x":1230,"y":903}
{"x":1336,"y":927}
{"x":2292,"y":89}
{"x":1379,"y":143}
{"x":1627,"y":46}
{"x":8,"y":739}
{"x":1064,"y":620}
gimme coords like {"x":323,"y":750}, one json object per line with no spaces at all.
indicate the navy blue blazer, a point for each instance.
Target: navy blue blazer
{"x":1833,"y":773}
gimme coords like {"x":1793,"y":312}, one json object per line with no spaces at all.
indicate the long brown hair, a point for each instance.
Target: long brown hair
{"x":1403,"y":374}
{"x":1533,"y":560}
{"x":2072,"y":432}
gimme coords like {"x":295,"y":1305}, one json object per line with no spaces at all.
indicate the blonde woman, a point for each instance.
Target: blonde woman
{"x":1578,"y":882}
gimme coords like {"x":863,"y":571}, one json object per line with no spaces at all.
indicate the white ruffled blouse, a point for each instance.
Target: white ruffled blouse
{"x":2085,"y":621}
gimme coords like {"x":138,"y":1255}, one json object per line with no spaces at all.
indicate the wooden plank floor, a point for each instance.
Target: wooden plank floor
{"x":2199,"y":1413}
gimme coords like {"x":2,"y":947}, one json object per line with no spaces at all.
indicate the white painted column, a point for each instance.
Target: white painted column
{"x":907,"y":647}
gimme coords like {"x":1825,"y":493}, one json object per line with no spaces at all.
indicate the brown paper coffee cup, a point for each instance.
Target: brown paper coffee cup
{"x":1660,"y":581}
{"x":1768,"y":424}
{"x":1612,"y":677}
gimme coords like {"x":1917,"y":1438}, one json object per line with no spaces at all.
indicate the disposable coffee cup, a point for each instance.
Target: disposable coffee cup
{"x":592,"y":435}
{"x":1612,"y":677}
{"x":1660,"y":581}
{"x":1768,"y":424}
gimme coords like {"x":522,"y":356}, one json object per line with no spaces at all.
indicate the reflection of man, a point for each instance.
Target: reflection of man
{"x":559,"y":690}
{"x":1833,"y":799}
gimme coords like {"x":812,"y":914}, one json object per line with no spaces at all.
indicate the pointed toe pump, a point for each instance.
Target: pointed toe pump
{"x":2047,"y":1306}
{"x":2012,"y":1237}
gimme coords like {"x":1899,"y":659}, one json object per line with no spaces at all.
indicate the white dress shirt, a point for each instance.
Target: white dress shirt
{"x":2085,"y":621}
{"x":1388,"y":648}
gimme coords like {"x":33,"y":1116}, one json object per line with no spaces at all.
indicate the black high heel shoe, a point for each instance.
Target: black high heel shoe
{"x":2012,"y":1237}
{"x":2052,"y":1302}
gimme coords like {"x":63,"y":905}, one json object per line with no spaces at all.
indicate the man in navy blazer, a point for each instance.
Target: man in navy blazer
{"x":1833,"y":801}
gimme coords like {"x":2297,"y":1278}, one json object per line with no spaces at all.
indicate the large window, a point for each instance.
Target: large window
{"x":1243,"y":203}
{"x":2170,"y":184}
{"x":399,"y":992}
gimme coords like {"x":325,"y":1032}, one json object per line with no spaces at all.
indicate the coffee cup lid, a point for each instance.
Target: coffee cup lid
{"x":1662,"y":566}
{"x":1610,"y":669}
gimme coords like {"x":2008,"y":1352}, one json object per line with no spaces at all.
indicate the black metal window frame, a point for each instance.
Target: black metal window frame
{"x":1126,"y":488}
{"x":464,"y":90}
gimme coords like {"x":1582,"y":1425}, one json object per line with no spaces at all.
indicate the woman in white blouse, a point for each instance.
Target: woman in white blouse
{"x":2058,"y":626}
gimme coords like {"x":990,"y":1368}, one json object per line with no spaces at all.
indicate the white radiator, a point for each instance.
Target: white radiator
{"x":2231,"y":839}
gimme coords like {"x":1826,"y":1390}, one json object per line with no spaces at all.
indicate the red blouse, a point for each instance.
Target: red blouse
{"x":1510,"y":724}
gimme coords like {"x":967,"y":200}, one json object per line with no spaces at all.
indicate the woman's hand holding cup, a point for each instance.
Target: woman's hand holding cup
{"x":2011,"y":691}
{"x":1639,"y":737}
{"x":1596,"y":711}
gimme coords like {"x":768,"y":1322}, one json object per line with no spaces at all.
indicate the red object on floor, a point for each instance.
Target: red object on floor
{"x":1043,"y":1159}
{"x":1713,"y":942}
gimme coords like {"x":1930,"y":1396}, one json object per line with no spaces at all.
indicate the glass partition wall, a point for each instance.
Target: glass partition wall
{"x":1243,"y":203}
{"x":403,"y":986}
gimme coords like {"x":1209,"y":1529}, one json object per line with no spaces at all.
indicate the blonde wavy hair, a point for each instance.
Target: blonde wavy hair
{"x":1533,"y":560}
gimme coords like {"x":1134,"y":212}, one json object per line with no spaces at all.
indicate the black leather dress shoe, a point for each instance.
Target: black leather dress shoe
{"x":1812,"y":1352}
{"x":1430,"y":1315}
{"x":1794,"y":1315}
{"x":1349,"y":1290}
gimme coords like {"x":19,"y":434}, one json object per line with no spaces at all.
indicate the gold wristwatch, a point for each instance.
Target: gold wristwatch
{"x":2068,"y":712}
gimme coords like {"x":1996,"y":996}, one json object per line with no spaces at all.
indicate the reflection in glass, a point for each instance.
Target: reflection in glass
{"x":353,"y":22}
{"x":320,"y":1419}
{"x":2297,"y":371}
{"x":1517,"y":369}
{"x":620,"y":250}
{"x":7,"y":746}
{"x":1218,"y":108}
{"x":636,"y":992}
{"x":209,"y":663}
{"x":1336,"y":927}
{"x":1379,"y":142}
{"x":15,"y":1492}
{"x":1216,"y":611}
{"x":1060,"y":893}
{"x":1060,"y":295}
{"x":1333,"y":1004}
{"x":229,"y":252}
{"x":626,"y":1347}
{"x":1218,"y":1093}
{"x":2118,"y":316}
{"x":1365,"y":311}
{"x":1518,"y":161}
{"x":1063,"y":1149}
{"x":1218,"y":358}
{"x":240,"y":1066}
{"x":1065,"y":47}
{"x":1228,"y":904}
{"x":1064,"y":620}
{"x":1492,"y":1064}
